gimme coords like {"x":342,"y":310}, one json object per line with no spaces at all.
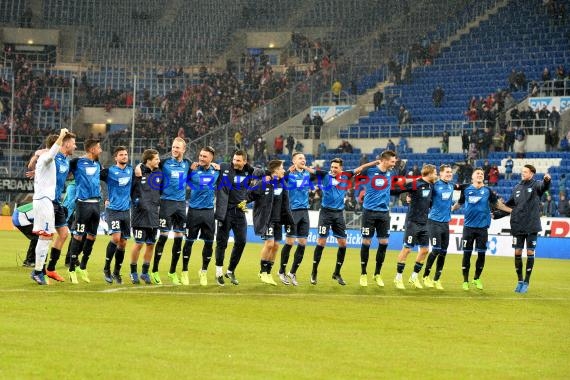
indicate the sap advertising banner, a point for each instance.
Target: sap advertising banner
{"x":553,"y":241}
{"x":328,"y":112}
{"x":560,"y":102}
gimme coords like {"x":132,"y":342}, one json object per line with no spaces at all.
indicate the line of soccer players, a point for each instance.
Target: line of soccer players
{"x":151,"y":200}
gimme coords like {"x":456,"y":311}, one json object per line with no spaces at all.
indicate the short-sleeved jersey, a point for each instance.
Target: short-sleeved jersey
{"x":87,"y":173}
{"x":298,"y":184}
{"x":334,"y":189}
{"x":202,"y":184}
{"x":175,"y":174}
{"x":62,"y":169}
{"x":377,"y":196}
{"x":477,"y":206}
{"x":441,"y":201}
{"x":119,"y":182}
{"x":45,"y":175}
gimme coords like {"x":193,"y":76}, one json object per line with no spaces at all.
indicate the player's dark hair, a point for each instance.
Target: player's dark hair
{"x":442,"y":167}
{"x":387,"y":154}
{"x":118,"y":149}
{"x":209,"y":149}
{"x":241,"y":152}
{"x":337,"y":160}
{"x":149,"y":155}
{"x":273,"y":165}
{"x":296,"y":154}
{"x":531,"y":168}
{"x":479,"y":169}
{"x":90,"y":143}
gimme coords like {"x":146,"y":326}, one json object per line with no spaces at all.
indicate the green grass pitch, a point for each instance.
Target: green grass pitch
{"x":308,"y":332}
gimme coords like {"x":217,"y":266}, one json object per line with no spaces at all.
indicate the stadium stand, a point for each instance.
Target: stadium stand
{"x":476,"y":65}
{"x":160,"y":44}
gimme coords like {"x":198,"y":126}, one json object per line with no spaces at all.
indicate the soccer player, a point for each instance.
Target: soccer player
{"x":416,"y":233}
{"x":376,"y":213}
{"x":172,"y":203}
{"x":334,"y":184}
{"x":477,"y":199}
{"x":62,"y":169}
{"x":45,"y":183}
{"x":298,"y":182}
{"x":200,"y":216}
{"x":69,"y":204}
{"x":23,"y":220}
{"x":23,"y":216}
{"x":525,"y":221}
{"x":270,"y":213}
{"x":231,"y":201}
{"x":438,"y":225}
{"x":61,"y":213}
{"x":119,"y":181}
{"x":145,"y":195}
{"x":86,"y":171}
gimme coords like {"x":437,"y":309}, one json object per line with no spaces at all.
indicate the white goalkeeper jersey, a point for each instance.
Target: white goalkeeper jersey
{"x":45,"y":175}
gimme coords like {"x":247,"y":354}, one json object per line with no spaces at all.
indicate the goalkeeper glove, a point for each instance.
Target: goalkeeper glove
{"x":242,"y":206}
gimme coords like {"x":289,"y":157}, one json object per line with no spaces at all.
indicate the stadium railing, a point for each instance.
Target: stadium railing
{"x":556,"y":87}
{"x":264,"y":118}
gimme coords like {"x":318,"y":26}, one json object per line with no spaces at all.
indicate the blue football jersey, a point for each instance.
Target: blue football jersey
{"x":441,"y":201}
{"x":299,"y":183}
{"x":175,"y":175}
{"x":87,"y":174}
{"x":334,"y":189}
{"x":377,"y":196}
{"x":119,"y":182}
{"x":202,"y":183}
{"x":62,"y":169}
{"x":477,"y":208}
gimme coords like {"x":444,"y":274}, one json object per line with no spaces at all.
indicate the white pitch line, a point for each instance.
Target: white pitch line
{"x":134,"y":290}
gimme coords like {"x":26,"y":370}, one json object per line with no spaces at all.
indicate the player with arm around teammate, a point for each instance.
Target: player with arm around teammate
{"x":270,"y":213}
{"x":525,"y":221}
{"x":334,"y":184}
{"x":376,"y":214}
{"x":119,"y":181}
{"x":438,"y":225}
{"x":477,"y":199}
{"x":45,"y":185}
{"x":202,"y":180}
{"x":231,"y":202}
{"x":298,"y":182}
{"x":416,"y":232}
{"x":86,"y":171}
{"x":172,"y":203}
{"x":62,"y":169}
{"x":145,"y":195}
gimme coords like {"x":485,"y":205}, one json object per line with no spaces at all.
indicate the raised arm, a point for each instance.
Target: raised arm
{"x":366,"y":166}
